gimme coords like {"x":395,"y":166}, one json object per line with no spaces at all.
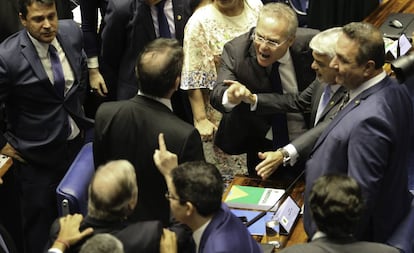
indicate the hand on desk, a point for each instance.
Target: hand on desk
{"x":271,"y":161}
{"x":164,"y":159}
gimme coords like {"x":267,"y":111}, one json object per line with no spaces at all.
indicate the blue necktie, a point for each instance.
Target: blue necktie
{"x":279,"y":124}
{"x":163,"y":27}
{"x":59,"y":82}
{"x":326,"y":96}
{"x":59,"y":78}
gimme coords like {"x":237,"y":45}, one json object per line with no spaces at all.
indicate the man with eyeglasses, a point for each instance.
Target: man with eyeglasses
{"x":195,"y":190}
{"x":274,"y":57}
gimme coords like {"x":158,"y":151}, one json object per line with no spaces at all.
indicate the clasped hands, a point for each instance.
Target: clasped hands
{"x":237,"y":93}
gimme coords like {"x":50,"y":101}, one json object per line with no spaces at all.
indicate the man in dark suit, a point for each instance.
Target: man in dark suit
{"x":248,"y":60}
{"x":112,"y":197}
{"x":195,"y":190}
{"x":336,"y":205}
{"x":91,"y":30}
{"x":134,"y":24}
{"x":42,"y":82}
{"x":129,"y":129}
{"x":322,"y":98}
{"x":369,"y":138}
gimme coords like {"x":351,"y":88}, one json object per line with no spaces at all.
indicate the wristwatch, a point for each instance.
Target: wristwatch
{"x":286,"y":156}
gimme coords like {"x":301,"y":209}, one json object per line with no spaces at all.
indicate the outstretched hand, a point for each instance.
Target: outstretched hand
{"x":271,"y":161}
{"x":238,"y":93}
{"x":164,"y":159}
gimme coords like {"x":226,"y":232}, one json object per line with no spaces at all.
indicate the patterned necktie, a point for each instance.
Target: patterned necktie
{"x":59,"y":78}
{"x":279,"y":124}
{"x":345,"y":101}
{"x":163,"y":26}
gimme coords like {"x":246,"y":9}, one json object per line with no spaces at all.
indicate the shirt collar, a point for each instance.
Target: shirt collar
{"x":367,"y":84}
{"x":198,"y":233}
{"x":164,"y":101}
{"x":286,"y":58}
{"x":318,"y":235}
{"x":41,"y":47}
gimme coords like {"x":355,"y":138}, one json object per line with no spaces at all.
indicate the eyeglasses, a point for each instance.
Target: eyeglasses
{"x":269,"y":43}
{"x":168,"y":196}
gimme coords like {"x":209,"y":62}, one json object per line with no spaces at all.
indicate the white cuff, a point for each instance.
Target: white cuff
{"x":226,"y":104}
{"x":93,"y":62}
{"x":293,"y":153}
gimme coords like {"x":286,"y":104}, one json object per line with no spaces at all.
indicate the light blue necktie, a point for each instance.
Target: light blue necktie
{"x":326,"y":96}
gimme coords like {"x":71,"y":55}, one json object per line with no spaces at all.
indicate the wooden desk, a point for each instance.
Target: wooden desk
{"x":298,"y":234}
{"x":379,"y":15}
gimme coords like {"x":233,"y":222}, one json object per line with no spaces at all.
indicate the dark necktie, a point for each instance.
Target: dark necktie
{"x":279,"y":124}
{"x":163,"y":27}
{"x":59,"y":78}
{"x":59,"y":82}
{"x":345,"y":100}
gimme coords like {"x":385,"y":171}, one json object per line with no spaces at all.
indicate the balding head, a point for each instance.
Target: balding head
{"x":159,"y":67}
{"x":113,"y":191}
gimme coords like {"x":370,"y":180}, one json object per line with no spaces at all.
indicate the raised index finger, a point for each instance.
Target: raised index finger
{"x":161,"y":143}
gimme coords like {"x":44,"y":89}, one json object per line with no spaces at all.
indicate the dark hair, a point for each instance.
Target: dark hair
{"x":201,"y":184}
{"x":158,"y":66}
{"x":336,"y":205}
{"x":23,"y":4}
{"x":371,"y":42}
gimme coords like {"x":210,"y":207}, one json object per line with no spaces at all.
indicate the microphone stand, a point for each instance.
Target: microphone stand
{"x":284,"y":195}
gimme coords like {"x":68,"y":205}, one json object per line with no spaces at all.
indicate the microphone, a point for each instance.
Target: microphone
{"x":284,"y":195}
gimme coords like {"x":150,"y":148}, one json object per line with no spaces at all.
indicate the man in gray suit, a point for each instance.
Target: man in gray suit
{"x":274,"y":57}
{"x":322,"y":98}
{"x":336,"y":205}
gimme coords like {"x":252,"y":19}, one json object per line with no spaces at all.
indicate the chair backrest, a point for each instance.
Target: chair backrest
{"x":72,"y":191}
{"x":403,"y":236}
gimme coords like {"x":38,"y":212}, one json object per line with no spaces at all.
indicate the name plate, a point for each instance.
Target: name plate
{"x":287,"y":215}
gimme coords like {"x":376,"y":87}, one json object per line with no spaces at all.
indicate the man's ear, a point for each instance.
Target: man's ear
{"x":369,"y":68}
{"x":22,"y":19}
{"x":177,"y":83}
{"x":190,"y":208}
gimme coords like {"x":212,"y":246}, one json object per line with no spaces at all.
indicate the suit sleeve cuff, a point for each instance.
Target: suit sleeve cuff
{"x":293,"y":153}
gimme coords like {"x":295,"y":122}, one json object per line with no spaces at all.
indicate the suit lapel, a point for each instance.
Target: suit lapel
{"x":69,"y":53}
{"x":30,"y":53}
{"x":317,"y":93}
{"x":354,"y":103}
{"x":335,"y":100}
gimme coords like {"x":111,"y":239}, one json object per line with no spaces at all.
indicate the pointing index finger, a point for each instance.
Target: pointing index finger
{"x":161,"y":142}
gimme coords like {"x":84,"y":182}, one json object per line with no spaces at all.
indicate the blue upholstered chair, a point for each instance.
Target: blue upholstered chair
{"x":403,"y":236}
{"x":72,"y":191}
